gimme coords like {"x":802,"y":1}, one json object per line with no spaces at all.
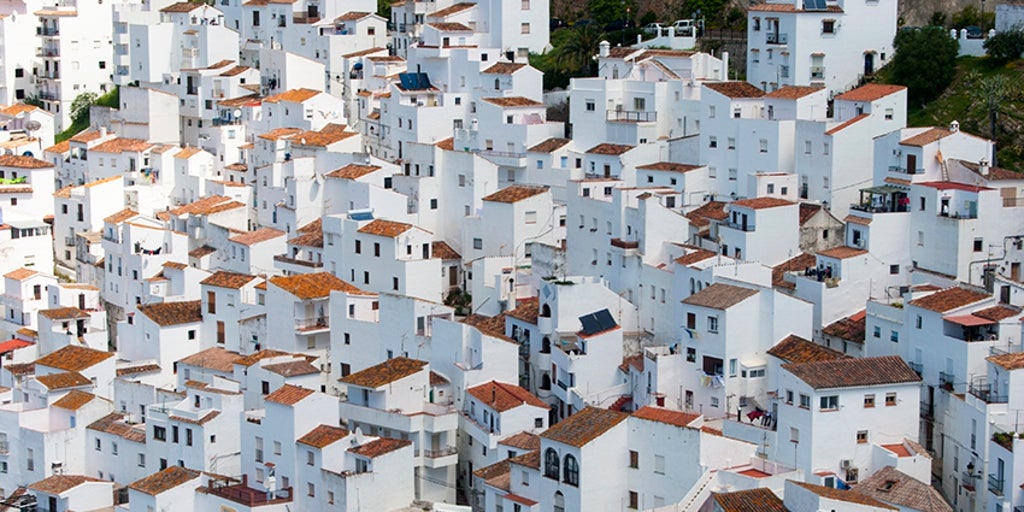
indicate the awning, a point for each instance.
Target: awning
{"x":12,"y":345}
{"x":881,"y":189}
{"x":968,"y":320}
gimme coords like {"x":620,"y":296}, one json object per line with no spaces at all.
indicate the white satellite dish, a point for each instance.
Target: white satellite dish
{"x":238,"y":112}
{"x":33,"y":125}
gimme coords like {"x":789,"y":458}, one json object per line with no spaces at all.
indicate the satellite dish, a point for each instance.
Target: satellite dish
{"x":27,"y":153}
{"x":238,"y":112}
{"x":33,"y":125}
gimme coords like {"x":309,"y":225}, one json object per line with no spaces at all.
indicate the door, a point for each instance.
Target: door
{"x":1015,"y":271}
{"x":869,"y":64}
{"x":911,"y":164}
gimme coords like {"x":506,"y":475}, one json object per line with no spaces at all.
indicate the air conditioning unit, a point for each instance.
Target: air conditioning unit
{"x":845,"y":463}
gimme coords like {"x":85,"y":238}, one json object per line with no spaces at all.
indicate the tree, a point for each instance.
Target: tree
{"x":938,"y":19}
{"x":993,"y":92}
{"x":607,"y":11}
{"x":80,"y":107}
{"x":1005,"y":46}
{"x":576,"y":55}
{"x":972,"y":16}
{"x":925,"y":62}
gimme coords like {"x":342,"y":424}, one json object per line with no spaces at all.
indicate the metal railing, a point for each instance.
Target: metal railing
{"x":904,"y":170}
{"x":310,"y":323}
{"x":631,"y":116}
{"x":946,"y":380}
{"x":995,"y":484}
{"x":917,"y":367}
{"x":48,"y":31}
{"x":985,"y":393}
{"x":440,"y":452}
{"x":817,"y":71}
{"x":776,"y":38}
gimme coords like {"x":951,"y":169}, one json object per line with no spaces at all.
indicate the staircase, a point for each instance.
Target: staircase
{"x":621,"y":403}
{"x":698,"y":495}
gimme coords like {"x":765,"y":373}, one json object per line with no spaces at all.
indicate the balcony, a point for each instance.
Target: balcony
{"x":776,"y":38}
{"x":69,"y":241}
{"x":440,"y":452}
{"x":563,"y":385}
{"x":49,"y":96}
{"x":4,"y":448}
{"x":312,"y":324}
{"x":946,"y":381}
{"x":48,"y":31}
{"x":746,"y":227}
{"x":817,"y":72}
{"x":903,"y":170}
{"x":239,"y":492}
{"x":927,"y":411}
{"x":47,"y":52}
{"x":985,"y":393}
{"x":917,"y":367}
{"x":285,"y":259}
{"x":631,"y":116}
{"x":995,"y":484}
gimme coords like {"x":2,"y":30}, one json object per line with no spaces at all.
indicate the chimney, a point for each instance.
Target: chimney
{"x":983,"y":167}
{"x":605,"y":48}
{"x":103,"y":131}
{"x":725,"y":66}
{"x":954,"y":126}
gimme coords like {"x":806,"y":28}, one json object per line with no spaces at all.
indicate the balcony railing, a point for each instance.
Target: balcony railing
{"x":48,"y":31}
{"x":5,"y":448}
{"x":312,"y":323}
{"x":285,"y":259}
{"x":917,"y":367}
{"x":47,"y":52}
{"x":441,"y":452}
{"x":984,"y":393}
{"x":631,"y":116}
{"x":903,"y":170}
{"x":995,"y":484}
{"x":946,"y":380}
{"x":748,"y":227}
{"x":776,"y":38}
{"x":502,"y":154}
{"x":927,"y":410}
{"x":818,"y":72}
{"x":563,"y":385}
{"x":49,"y":96}
{"x":69,"y":241}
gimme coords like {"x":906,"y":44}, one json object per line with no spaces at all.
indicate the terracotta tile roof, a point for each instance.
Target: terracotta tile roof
{"x":720,"y":296}
{"x":712,"y":210}
{"x":387,"y":228}
{"x":20,"y":274}
{"x":225,"y":279}
{"x":436,"y":379}
{"x":379,"y":446}
{"x":794,"y":349}
{"x":352,"y":16}
{"x":200,"y":252}
{"x":293,"y":96}
{"x":504,"y":68}
{"x":18,"y":108}
{"x":494,"y":470}
{"x":445,"y":144}
{"x":761,"y":499}
{"x":241,"y":101}
{"x":314,"y":286}
{"x":696,"y":256}
{"x":353,"y":171}
{"x":73,"y":358}
{"x":292,"y":368}
{"x":68,"y":313}
{"x":213,"y":358}
{"x":513,"y":101}
{"x":839,"y":127}
{"x":182,"y":7}
{"x":514,"y":194}
{"x":892,"y":486}
{"x":669,"y":167}
{"x":236,"y":70}
{"x":256,"y":357}
{"x":173,"y":313}
{"x":441,"y":250}
{"x":793,"y":92}
{"x":847,"y":496}
{"x":789,"y":7}
{"x":208,"y":205}
{"x":260,"y":235}
{"x":59,"y":484}
{"x":853,"y":372}
{"x":326,"y":136}
{"x":735,"y":89}
{"x":20,"y":369}
{"x":857,"y":220}
{"x":322,"y":435}
{"x":851,"y":328}
{"x":314,"y":239}
{"x":165,"y":480}
{"x":870,"y":92}
{"x":523,"y":441}
{"x":584,"y":426}
{"x":994,"y":173}
{"x":842,"y":253}
{"x":367,"y":51}
{"x":635,"y":361}
{"x":137,"y":369}
{"x":526,"y":310}
{"x":549,"y":145}
{"x":175,"y":265}
{"x":448,"y":11}
{"x":808,"y":211}
{"x":113,"y":424}
{"x":18,"y":189}
{"x":87,"y":135}
{"x":75,"y":400}
{"x":489,"y":325}
{"x":1009,"y":361}
{"x":279,"y":133}
{"x":60,"y":147}
{"x":758,"y":203}
{"x":609,"y":149}
{"x":120,"y":216}
{"x":662,"y":415}
{"x":502,"y":397}
{"x":998,"y":312}
{"x":188,"y":152}
{"x":23,"y":162}
{"x":63,"y":380}
{"x":288,"y":395}
{"x":385,"y":373}
{"x":201,"y":421}
{"x":449,"y":27}
{"x":926,"y":137}
{"x":121,"y":145}
{"x":949,"y":299}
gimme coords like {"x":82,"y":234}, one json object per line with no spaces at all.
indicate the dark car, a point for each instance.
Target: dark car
{"x":974,"y":32}
{"x":556,"y":23}
{"x":618,"y":25}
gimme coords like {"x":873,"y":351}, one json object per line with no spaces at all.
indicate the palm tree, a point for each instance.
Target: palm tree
{"x":992,"y":92}
{"x":576,"y":55}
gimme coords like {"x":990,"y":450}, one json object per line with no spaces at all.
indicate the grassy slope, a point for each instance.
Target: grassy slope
{"x":957,"y":103}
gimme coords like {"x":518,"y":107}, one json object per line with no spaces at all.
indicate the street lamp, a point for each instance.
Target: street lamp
{"x":983,"y":18}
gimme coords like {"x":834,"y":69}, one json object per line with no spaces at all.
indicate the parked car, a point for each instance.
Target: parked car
{"x":683,"y":27}
{"x":653,"y":28}
{"x":974,"y":32}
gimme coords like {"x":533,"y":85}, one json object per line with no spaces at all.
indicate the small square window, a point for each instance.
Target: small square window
{"x":862,"y":436}
{"x":890,"y":399}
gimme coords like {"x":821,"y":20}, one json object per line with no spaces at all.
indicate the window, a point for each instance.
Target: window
{"x":828,"y":26}
{"x":978,"y":244}
{"x":764,"y":145}
{"x":862,"y":436}
{"x":869,"y":401}
{"x":789,"y":396}
{"x":277,"y":447}
{"x":877,"y":331}
{"x":888,"y":114}
{"x":712,"y":324}
{"x":634,"y":459}
{"x":794,"y":435}
{"x":531,"y":217}
{"x":894,"y":336}
{"x":659,"y":464}
{"x":571,"y":472}
{"x":805,"y":401}
{"x":551,"y":463}
{"x":174,"y":434}
{"x":188,"y":437}
{"x":890,"y":399}
{"x":160,"y":433}
{"x":141,"y":460}
{"x":711,"y":112}
{"x":807,"y":147}
{"x":359,"y":247}
{"x":919,"y":321}
{"x":634,"y":500}
{"x":830,"y":403}
{"x":99,"y":445}
{"x":310,"y":489}
{"x":894,"y":269}
{"x":590,"y":105}
{"x":524,"y":28}
{"x":113,"y":448}
{"x":691,"y":355}
{"x":713,"y":142}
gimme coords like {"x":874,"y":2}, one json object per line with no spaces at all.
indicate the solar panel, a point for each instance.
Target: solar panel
{"x":361,"y":215}
{"x":605,"y":320}
{"x":597,"y":322}
{"x":815,"y":5}
{"x":589,"y":324}
{"x":414,"y":81}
